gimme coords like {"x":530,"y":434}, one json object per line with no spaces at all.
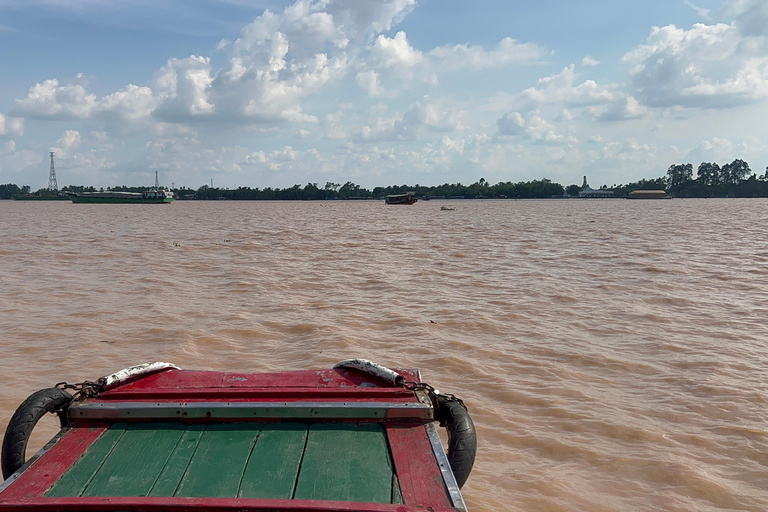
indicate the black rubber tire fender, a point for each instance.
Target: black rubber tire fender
{"x":23,"y":421}
{"x":462,"y":438}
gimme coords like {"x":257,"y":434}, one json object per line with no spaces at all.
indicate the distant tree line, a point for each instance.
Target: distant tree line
{"x":735,"y":179}
{"x":731,"y":180}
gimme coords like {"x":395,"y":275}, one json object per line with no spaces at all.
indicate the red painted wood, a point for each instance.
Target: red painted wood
{"x":260,"y":394}
{"x":41,"y":475}
{"x":421,"y":481}
{"x":318,"y":379}
{"x":202,"y":504}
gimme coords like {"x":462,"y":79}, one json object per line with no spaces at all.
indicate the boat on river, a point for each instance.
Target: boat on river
{"x":147,"y":197}
{"x":357,"y":437}
{"x":407,"y":198}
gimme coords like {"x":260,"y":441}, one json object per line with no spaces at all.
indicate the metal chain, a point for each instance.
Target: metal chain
{"x":432,"y":393}
{"x":83,"y":390}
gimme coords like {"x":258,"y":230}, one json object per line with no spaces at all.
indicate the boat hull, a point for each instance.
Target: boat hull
{"x":401,"y":199}
{"x":121,"y":200}
{"x":41,"y":198}
{"x":337,"y":440}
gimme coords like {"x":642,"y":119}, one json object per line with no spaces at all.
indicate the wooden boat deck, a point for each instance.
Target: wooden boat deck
{"x":187,"y":440}
{"x":321,"y":461}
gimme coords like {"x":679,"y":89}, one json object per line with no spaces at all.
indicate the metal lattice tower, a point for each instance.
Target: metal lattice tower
{"x":157,"y":183}
{"x":52,"y":185}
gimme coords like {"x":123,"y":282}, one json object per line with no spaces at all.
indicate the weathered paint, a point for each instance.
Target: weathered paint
{"x":181,"y":470}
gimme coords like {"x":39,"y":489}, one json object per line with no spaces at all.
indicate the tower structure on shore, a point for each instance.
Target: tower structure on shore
{"x":52,"y":184}
{"x":157,"y":182}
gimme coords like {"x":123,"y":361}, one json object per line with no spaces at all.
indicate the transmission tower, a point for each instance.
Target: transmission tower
{"x":157,"y":183}
{"x":52,"y":185}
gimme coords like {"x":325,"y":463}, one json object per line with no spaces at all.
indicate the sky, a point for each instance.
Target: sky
{"x":273,"y":93}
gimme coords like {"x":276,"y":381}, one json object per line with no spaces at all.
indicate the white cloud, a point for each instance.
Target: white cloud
{"x":68,"y":142}
{"x":49,"y":99}
{"x":751,"y":16}
{"x":562,"y":88}
{"x":704,"y":13}
{"x":629,"y":108}
{"x":508,"y":51}
{"x":532,"y":127}
{"x":589,"y":61}
{"x":12,"y":126}
{"x":395,"y":52}
{"x":511,"y":124}
{"x":369,"y":81}
{"x":421,"y":116}
{"x":708,"y":66}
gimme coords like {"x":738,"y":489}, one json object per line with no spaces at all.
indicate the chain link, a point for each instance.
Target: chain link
{"x":433,"y":393}
{"x":83,"y":390}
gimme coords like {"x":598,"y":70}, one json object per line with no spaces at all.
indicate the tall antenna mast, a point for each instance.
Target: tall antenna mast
{"x":52,"y":185}
{"x":157,"y":183}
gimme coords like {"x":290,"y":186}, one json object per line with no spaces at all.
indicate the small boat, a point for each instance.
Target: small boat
{"x":148,"y":197}
{"x":407,"y":198}
{"x":357,"y":437}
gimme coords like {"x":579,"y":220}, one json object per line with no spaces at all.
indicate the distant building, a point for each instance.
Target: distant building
{"x":648,"y":194}
{"x":588,"y":193}
{"x":596,"y":194}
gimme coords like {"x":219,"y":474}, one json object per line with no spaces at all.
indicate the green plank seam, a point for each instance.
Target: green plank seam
{"x":122,"y":433}
{"x":197,"y":445}
{"x":248,"y":459}
{"x":105,"y":458}
{"x":301,"y":461}
{"x":152,"y":488}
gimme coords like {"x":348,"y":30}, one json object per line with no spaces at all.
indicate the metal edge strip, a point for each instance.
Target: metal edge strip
{"x":50,"y":444}
{"x":235,"y":410}
{"x":445,"y":468}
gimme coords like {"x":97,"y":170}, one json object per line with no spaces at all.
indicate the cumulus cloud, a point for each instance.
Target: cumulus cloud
{"x":12,"y":126}
{"x":395,"y":52}
{"x":69,"y":141}
{"x":369,"y":81}
{"x":708,"y":66}
{"x":628,"y":108}
{"x":562,"y":88}
{"x":421,"y":116}
{"x":51,"y":100}
{"x":278,"y":61}
{"x":533,"y":127}
{"x":589,"y":61}
{"x":750,"y":16}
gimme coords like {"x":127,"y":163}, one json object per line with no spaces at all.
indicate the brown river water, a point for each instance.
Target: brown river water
{"x":613,"y":354}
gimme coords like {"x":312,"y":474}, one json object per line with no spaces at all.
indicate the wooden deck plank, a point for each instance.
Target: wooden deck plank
{"x":48,"y":469}
{"x":346,"y":462}
{"x":136,"y":461}
{"x":73,"y":482}
{"x":218,"y":464}
{"x":421,"y":481}
{"x":177,"y":464}
{"x":274,"y":463}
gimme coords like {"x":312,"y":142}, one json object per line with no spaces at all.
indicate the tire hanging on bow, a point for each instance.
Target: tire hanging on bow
{"x":450,"y":411}
{"x":23,"y":421}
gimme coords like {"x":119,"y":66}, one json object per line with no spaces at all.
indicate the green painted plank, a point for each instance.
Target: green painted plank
{"x":136,"y":461}
{"x":346,"y":463}
{"x":177,"y":464}
{"x":218,"y":464}
{"x":274,"y":463}
{"x":76,"y":479}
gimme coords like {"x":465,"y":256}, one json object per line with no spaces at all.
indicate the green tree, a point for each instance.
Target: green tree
{"x":678,"y":175}
{"x":736,"y":172}
{"x":708,"y":174}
